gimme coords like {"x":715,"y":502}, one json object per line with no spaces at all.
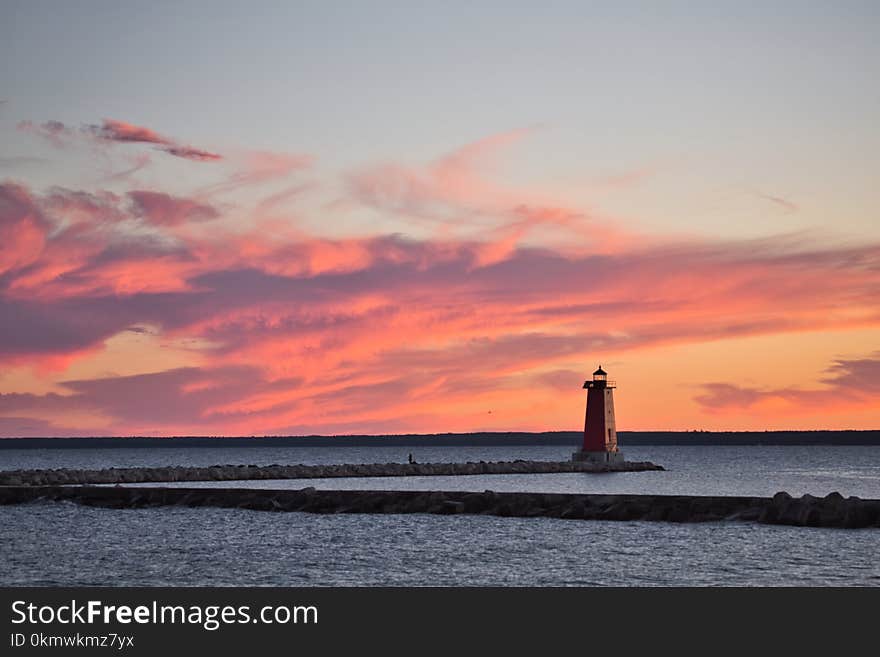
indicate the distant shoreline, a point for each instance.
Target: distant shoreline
{"x":476,"y":439}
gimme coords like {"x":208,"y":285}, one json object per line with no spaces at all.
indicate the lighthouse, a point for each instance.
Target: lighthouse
{"x":600,"y":430}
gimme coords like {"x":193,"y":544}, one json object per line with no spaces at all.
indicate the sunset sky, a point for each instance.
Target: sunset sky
{"x":379,"y":217}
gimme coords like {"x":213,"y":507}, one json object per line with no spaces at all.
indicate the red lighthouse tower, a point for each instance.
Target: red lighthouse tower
{"x":600,"y":430}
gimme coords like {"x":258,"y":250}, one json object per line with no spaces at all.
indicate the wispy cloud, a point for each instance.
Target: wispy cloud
{"x":55,"y":132}
{"x":455,"y":195}
{"x":259,"y":168}
{"x":849,"y":383}
{"x":138,"y":163}
{"x":166,"y":210}
{"x":780,"y":202}
{"x":113,"y":131}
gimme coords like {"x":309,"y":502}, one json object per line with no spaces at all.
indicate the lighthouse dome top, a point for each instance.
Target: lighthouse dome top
{"x":599,"y":380}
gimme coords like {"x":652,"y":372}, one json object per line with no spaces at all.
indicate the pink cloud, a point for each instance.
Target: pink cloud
{"x":166,"y":210}
{"x":112,"y":131}
{"x":456,"y":197}
{"x":444,"y":190}
{"x":261,"y":167}
{"x":23,"y":228}
{"x":120,"y":131}
{"x":306,"y":331}
{"x":648,"y":295}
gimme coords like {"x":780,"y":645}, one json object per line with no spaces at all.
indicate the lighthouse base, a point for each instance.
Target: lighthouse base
{"x":598,"y":456}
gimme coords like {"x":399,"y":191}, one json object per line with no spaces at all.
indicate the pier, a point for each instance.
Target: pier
{"x":833,"y":510}
{"x":69,"y":476}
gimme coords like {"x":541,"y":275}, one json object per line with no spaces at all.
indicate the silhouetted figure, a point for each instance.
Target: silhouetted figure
{"x":411,"y":459}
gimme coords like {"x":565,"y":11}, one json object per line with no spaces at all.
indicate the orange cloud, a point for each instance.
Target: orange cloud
{"x":850,"y":384}
{"x":464,"y":328}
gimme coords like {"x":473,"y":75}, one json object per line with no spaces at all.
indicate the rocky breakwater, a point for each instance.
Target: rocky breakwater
{"x":246,"y":472}
{"x":830,"y":511}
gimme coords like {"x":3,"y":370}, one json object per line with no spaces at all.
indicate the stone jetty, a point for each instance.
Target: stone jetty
{"x":247,"y":472}
{"x":782,"y":509}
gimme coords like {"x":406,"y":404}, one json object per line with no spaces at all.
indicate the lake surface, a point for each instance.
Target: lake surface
{"x":63,"y":543}
{"x":690,"y":470}
{"x":66,"y":544}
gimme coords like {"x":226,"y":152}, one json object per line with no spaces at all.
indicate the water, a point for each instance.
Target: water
{"x":11,"y":459}
{"x":62,"y":543}
{"x":691,"y":470}
{"x":66,"y":544}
